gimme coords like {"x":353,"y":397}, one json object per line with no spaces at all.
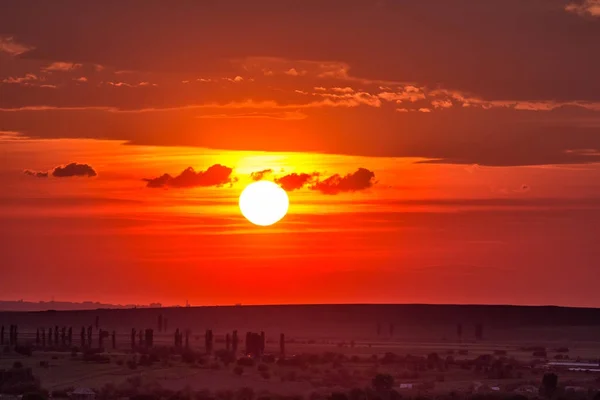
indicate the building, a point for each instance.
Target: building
{"x":82,"y":394}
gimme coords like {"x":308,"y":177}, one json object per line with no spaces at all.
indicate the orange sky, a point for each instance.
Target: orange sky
{"x":446,"y":159}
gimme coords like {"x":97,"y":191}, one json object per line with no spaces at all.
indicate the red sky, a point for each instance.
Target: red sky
{"x":433,"y":151}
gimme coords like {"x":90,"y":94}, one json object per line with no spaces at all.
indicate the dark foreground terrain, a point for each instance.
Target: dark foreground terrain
{"x":346,"y":351}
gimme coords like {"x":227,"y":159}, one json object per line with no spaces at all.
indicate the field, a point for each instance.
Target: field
{"x":423,"y":356}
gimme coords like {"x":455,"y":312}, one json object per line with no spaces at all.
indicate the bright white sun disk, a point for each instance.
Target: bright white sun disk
{"x":264,"y":203}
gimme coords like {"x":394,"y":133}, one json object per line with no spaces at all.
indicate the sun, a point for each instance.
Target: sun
{"x":264,"y":203}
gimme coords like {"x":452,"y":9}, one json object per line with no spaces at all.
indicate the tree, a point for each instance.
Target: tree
{"x":549,"y":384}
{"x":82,"y":337}
{"x":479,"y":331}
{"x":382,"y":383}
{"x":234,"y":342}
{"x":89,"y":335}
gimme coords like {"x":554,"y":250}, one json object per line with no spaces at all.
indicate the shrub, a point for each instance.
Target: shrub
{"x":145,"y":361}
{"x":238,"y":370}
{"x":245,"y":393}
{"x":131,"y":364}
{"x":60,"y":394}
{"x":188,"y":357}
{"x":23,"y":350}
{"x":262,"y":367}
{"x":34,"y":396}
{"x":225,"y":356}
{"x":382,"y":382}
{"x":246,"y":362}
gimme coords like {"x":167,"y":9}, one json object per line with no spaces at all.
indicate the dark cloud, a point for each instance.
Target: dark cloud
{"x":295,"y":181}
{"x":73,"y":169}
{"x":360,"y":180}
{"x":215,"y":175}
{"x":478,"y":55}
{"x":259,"y":175}
{"x":37,"y":174}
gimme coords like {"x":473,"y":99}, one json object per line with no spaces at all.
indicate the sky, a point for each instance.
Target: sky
{"x":433,"y":151}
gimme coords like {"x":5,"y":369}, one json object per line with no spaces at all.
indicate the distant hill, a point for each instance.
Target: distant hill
{"x":412,"y":322}
{"x":21,"y":305}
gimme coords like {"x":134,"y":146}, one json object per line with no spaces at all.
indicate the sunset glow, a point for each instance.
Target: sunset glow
{"x":427,"y":153}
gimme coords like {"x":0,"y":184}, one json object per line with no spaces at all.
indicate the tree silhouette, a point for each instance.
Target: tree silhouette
{"x":549,"y":384}
{"x":114,"y":340}
{"x":208,"y":341}
{"x":82,"y":337}
{"x":63,"y":336}
{"x":2,"y":335}
{"x":479,"y":331}
{"x":70,"y":336}
{"x":234,"y":342}
{"x":37,"y":337}
{"x":89,"y":336}
{"x":133,"y":338}
{"x":382,"y":383}
{"x":227,"y":342}
{"x":282,"y":345}
{"x":43,"y":337}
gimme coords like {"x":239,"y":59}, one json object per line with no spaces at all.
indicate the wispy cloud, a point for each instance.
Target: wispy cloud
{"x":10,"y":46}
{"x":587,"y":7}
{"x":259,"y":175}
{"x":37,"y":174}
{"x":61,"y":66}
